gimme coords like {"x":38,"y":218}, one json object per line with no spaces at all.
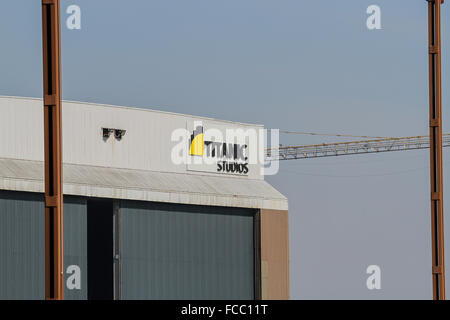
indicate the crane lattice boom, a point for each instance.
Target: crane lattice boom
{"x":352,"y":147}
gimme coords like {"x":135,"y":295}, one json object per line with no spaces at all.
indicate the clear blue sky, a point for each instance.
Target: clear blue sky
{"x":294,"y":65}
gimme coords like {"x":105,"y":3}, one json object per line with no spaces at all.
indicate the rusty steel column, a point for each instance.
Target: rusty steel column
{"x":436,"y":168}
{"x":51,"y":45}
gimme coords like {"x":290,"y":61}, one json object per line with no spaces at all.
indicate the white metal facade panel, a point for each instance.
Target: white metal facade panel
{"x":146,"y":145}
{"x":138,"y":167}
{"x":21,"y":129}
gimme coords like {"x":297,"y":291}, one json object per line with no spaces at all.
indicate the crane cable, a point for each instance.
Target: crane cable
{"x":331,"y":135}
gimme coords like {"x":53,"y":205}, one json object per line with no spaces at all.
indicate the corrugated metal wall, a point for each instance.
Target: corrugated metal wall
{"x":22,"y":245}
{"x":75,"y":246}
{"x":185,"y":252}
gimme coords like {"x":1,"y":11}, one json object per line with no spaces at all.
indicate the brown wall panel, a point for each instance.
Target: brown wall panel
{"x":274,"y":254}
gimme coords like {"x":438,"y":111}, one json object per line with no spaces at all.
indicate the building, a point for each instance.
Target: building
{"x":138,"y":224}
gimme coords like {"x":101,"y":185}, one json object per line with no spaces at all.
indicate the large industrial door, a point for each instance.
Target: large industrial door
{"x":100,"y":249}
{"x":185,"y":252}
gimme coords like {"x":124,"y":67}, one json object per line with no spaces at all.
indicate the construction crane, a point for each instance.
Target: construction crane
{"x":351,"y":147}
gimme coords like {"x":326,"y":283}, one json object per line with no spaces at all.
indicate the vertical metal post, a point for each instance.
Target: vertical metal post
{"x":436,"y":168}
{"x":54,"y":277}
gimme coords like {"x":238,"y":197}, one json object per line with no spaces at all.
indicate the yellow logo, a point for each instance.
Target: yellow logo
{"x":196,"y":148}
